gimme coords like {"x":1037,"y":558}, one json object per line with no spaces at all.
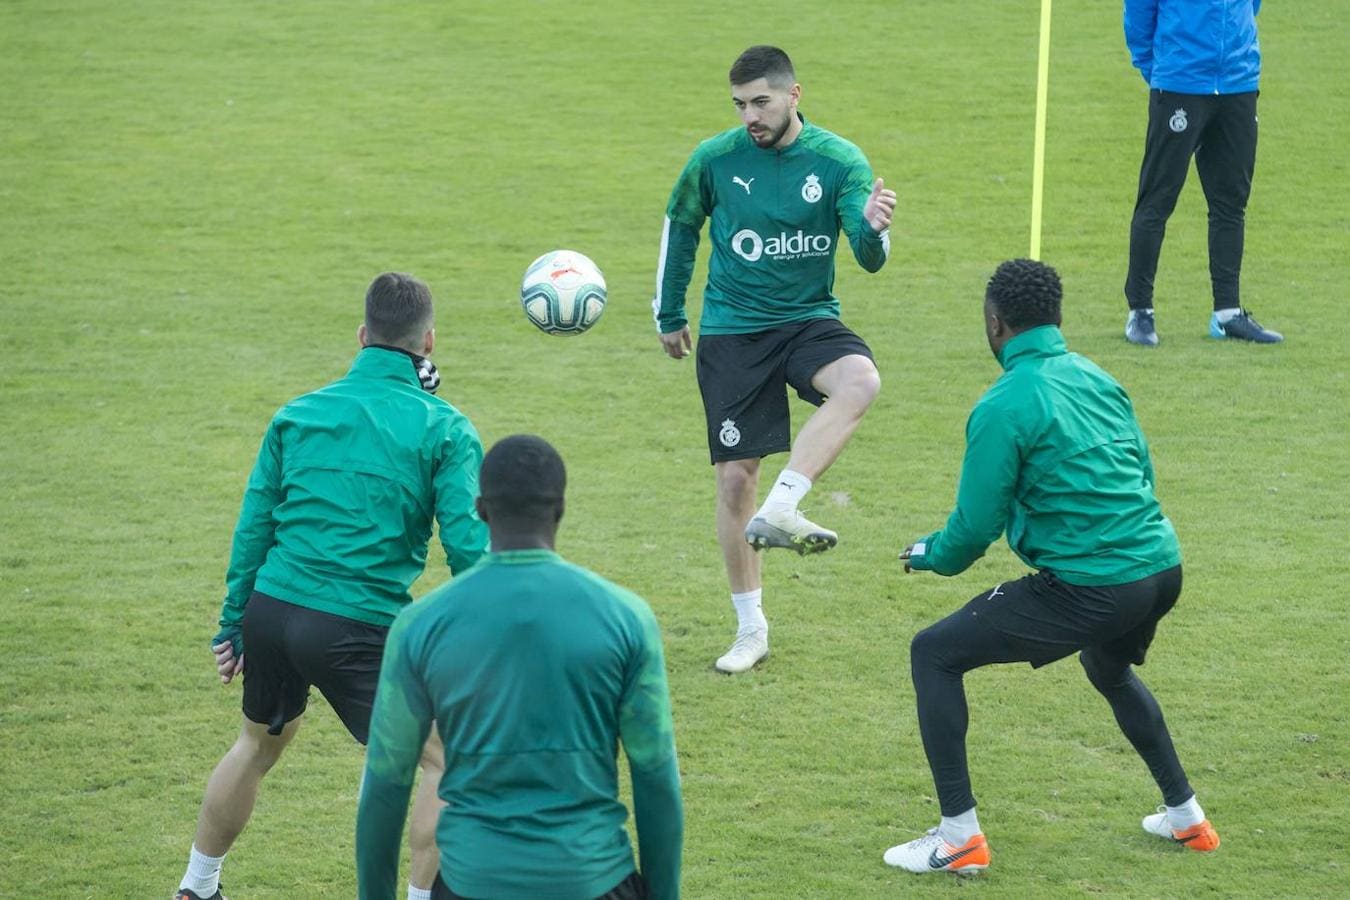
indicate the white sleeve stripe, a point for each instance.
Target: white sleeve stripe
{"x":661,"y":272}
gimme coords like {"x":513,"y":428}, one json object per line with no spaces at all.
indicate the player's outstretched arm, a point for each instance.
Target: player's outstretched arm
{"x":989,"y":473}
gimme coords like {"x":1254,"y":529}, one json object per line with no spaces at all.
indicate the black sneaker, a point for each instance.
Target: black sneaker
{"x":1139,"y":328}
{"x":185,"y":894}
{"x":1244,"y":328}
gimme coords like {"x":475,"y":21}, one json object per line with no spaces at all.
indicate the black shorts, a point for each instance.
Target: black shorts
{"x":1039,"y":618}
{"x":634,"y":887}
{"x":287,"y":648}
{"x":744,"y":379}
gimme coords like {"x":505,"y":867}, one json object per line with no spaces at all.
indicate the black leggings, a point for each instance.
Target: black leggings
{"x":1039,"y":619}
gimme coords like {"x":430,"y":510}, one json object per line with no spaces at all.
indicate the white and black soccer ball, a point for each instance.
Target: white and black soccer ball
{"x":563,"y":292}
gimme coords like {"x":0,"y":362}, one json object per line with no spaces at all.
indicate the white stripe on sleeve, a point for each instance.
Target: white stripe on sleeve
{"x":661,"y":273}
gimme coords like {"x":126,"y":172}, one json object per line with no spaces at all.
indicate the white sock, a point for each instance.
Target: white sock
{"x":788,"y":490}
{"x":203,"y":874}
{"x":956,"y":830}
{"x":1223,"y":315}
{"x":1147,"y":309}
{"x":1185,"y":815}
{"x":417,"y":893}
{"x":749,"y":613}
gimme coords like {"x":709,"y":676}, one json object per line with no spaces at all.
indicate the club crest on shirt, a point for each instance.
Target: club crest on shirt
{"x":730,"y":435}
{"x":811,"y":190}
{"x":1178,"y":121}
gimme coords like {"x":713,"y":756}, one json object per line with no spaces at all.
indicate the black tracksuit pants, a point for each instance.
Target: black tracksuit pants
{"x":1219,"y":130}
{"x":1039,"y":619}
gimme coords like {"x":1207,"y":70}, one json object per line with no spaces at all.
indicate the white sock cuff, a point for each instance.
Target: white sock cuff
{"x":959,"y":828}
{"x":1223,"y":315}
{"x":796,"y":479}
{"x":417,"y":893}
{"x":203,"y":873}
{"x":199,"y":858}
{"x":749,"y":610}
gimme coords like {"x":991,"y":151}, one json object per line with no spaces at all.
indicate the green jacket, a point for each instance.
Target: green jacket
{"x":338,"y":511}
{"x":775,"y":221}
{"x":1055,"y":456}
{"x":533,"y":670}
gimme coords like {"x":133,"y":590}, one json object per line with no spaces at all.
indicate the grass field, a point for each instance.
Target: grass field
{"x":194,"y":195}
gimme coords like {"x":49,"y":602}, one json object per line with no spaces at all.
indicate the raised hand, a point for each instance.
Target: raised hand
{"x":880,"y":207}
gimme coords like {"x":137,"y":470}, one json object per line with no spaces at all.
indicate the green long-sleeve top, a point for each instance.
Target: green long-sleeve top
{"x":339,"y":507}
{"x":533,"y":670}
{"x":774,"y":220}
{"x":1055,"y":456}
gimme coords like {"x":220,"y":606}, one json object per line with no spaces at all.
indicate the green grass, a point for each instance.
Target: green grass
{"x":193,"y":197}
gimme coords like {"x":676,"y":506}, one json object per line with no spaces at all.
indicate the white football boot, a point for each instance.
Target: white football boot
{"x":790,"y":530}
{"x":751,"y":645}
{"x":932,"y":853}
{"x":1200,"y":837}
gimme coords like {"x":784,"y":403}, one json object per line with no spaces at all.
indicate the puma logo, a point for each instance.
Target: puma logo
{"x":736,"y":179}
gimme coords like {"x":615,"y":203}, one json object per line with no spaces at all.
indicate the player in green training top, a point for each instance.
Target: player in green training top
{"x":777,"y":191}
{"x":1054,"y":459}
{"x":533,"y":671}
{"x":333,"y":531}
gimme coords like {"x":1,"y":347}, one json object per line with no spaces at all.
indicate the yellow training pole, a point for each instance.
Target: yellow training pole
{"x":1038,"y":162}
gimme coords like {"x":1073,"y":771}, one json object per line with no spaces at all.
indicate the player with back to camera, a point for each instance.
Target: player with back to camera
{"x":533,"y":670}
{"x":1055,"y":457}
{"x":333,"y":531}
{"x":777,"y":190}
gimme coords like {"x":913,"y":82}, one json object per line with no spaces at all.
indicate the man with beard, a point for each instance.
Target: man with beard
{"x":777,"y":191}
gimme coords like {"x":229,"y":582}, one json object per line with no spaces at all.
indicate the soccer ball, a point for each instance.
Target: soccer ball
{"x":563,"y":292}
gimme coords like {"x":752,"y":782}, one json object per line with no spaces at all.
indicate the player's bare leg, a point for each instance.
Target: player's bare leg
{"x":231,"y":793}
{"x":737,"y":486}
{"x":233,"y":787}
{"x":850,"y":385}
{"x":426,"y":811}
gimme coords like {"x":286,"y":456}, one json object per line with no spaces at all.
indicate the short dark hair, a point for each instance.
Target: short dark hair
{"x":523,"y":478}
{"x":398,"y":311}
{"x":1025,"y":293}
{"x":763,"y":61}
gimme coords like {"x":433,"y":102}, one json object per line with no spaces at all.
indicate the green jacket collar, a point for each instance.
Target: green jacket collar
{"x":516,"y":557}
{"x":1034,"y":343}
{"x":380,"y":362}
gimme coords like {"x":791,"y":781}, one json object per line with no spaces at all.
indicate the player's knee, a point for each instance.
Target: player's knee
{"x":927,"y":649}
{"x":260,"y":751}
{"x":1151,"y":218}
{"x":866,"y":385}
{"x":1226,"y":213}
{"x":737,"y":477}
{"x":1105,"y":675}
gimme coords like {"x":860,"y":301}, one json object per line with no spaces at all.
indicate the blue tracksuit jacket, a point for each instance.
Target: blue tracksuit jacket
{"x":1195,"y":46}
